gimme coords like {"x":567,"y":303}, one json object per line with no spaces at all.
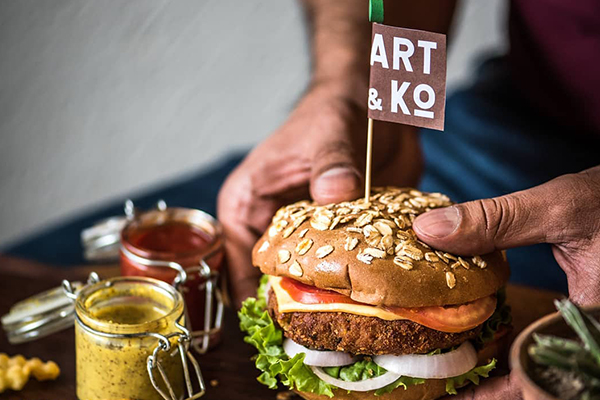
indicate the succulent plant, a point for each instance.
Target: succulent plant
{"x":580,"y":359}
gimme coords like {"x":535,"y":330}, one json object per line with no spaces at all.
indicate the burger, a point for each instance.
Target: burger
{"x":353,"y":305}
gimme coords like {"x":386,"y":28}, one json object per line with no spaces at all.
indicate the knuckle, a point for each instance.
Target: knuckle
{"x":334,"y":153}
{"x":499,"y":215}
{"x":343,"y":107}
{"x":336,"y":147}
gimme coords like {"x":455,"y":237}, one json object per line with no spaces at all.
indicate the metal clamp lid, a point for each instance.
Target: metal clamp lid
{"x":211,"y":287}
{"x":183,"y":342}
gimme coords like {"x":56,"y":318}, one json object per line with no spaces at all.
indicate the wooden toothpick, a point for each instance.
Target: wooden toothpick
{"x":375,"y":15}
{"x":368,"y":163}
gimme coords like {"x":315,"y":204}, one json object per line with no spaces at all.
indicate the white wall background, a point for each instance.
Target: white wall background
{"x":99,"y":99}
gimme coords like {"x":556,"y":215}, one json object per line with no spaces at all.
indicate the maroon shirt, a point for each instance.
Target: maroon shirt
{"x":555,"y":58}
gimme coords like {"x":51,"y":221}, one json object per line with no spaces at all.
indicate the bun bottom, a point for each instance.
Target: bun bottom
{"x":430,"y":390}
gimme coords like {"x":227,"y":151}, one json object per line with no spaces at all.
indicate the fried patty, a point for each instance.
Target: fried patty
{"x":357,"y":334}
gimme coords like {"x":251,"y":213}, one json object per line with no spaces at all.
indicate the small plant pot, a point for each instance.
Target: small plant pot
{"x":520,"y":362}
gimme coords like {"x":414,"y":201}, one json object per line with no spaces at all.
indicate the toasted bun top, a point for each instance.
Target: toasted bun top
{"x":371,"y":253}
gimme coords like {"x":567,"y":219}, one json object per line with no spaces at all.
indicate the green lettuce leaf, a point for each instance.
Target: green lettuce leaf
{"x":275,"y":365}
{"x":473,"y":375}
{"x":359,"y":371}
{"x":261,"y":292}
{"x":501,"y":316}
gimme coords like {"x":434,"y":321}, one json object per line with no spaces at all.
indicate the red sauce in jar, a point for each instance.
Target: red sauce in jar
{"x":176,"y":237}
{"x":179,"y":235}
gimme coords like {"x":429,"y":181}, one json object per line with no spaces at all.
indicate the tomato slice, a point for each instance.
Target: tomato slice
{"x":306,"y":294}
{"x":453,"y":319}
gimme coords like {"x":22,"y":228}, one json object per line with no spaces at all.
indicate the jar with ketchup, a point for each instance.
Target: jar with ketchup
{"x":160,"y":242}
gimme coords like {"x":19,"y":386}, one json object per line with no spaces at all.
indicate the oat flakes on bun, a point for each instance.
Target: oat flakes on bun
{"x":352,"y":305}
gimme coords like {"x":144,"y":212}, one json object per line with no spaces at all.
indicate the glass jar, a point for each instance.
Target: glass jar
{"x":156,"y":243}
{"x":130,"y":341}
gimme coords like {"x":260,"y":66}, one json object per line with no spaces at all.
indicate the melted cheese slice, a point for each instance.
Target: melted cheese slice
{"x":285,"y":304}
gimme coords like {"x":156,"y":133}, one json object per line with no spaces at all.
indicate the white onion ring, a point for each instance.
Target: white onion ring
{"x":439,"y":366}
{"x":317,"y":358}
{"x":360,"y":386}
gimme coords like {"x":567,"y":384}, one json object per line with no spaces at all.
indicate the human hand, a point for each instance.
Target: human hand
{"x":318,"y":153}
{"x":564,"y":212}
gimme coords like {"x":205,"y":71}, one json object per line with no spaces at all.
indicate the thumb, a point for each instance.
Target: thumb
{"x":334,"y":174}
{"x":543,"y":214}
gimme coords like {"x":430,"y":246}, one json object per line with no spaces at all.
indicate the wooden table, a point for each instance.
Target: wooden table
{"x":228,"y":371}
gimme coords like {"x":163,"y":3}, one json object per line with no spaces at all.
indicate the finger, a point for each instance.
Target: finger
{"x":549,"y":213}
{"x":335,"y":176}
{"x":490,"y":389}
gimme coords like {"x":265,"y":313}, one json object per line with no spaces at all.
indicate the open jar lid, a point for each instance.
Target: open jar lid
{"x":41,"y":315}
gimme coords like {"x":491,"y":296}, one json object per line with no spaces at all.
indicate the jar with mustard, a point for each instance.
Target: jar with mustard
{"x":131,"y":342}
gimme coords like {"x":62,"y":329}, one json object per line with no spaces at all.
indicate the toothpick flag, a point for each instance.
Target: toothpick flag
{"x":407,"y":83}
{"x":408,"y":74}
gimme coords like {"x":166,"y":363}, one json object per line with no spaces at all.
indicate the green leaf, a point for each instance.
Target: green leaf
{"x":267,"y":338}
{"x":359,"y":371}
{"x":473,"y":376}
{"x":261,"y":292}
{"x":332,"y":371}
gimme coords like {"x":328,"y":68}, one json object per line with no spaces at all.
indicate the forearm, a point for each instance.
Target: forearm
{"x":340,"y":36}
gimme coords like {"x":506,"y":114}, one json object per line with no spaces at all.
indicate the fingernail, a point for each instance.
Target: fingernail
{"x":337,"y":181}
{"x":438,"y":223}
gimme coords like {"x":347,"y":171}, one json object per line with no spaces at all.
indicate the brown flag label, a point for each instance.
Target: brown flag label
{"x":408,"y":76}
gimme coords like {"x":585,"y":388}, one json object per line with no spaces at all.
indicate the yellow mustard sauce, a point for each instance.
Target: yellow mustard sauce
{"x":116,"y":368}
{"x":129,"y":313}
